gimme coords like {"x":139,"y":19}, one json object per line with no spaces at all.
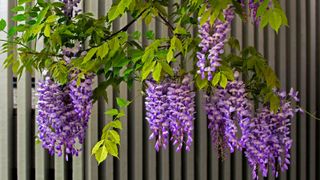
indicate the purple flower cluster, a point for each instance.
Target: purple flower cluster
{"x":268,"y":141}
{"x":60,"y":126}
{"x":213,"y":38}
{"x":170,"y":109}
{"x":63,"y":116}
{"x":69,"y":8}
{"x":227,"y":108}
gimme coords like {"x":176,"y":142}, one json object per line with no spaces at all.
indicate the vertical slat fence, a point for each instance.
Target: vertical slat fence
{"x":294,"y":53}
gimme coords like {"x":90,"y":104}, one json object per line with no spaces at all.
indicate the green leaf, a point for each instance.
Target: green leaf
{"x":112,"y":148}
{"x":89,"y":56}
{"x":167,"y":68}
{"x":205,"y":16}
{"x":274,"y":103}
{"x":103,"y":50}
{"x":146,"y":69}
{"x":101,"y":154}
{"x":157,"y":72}
{"x":216,"y":78}
{"x":114,"y":136}
{"x":112,"y":112}
{"x":17,"y":9}
{"x":201,"y":83}
{"x":96,"y":147}
{"x":136,"y":35}
{"x":223,"y":81}
{"x":51,"y":19}
{"x":3,"y":24}
{"x":42,"y":14}
{"x":123,"y":102}
{"x":275,"y":20}
{"x":118,"y":10}
{"x":19,"y":17}
{"x":150,"y":35}
{"x":116,"y":124}
{"x":47,"y":30}
{"x":24,"y":1}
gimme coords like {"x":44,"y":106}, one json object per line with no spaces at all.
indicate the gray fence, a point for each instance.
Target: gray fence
{"x":294,"y":53}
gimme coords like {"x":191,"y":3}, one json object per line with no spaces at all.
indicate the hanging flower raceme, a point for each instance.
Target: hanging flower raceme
{"x":227,"y":108}
{"x":170,"y":108}
{"x":70,"y":7}
{"x":58,"y":124}
{"x":213,"y":38}
{"x":269,"y":143}
{"x":181,"y":112}
{"x":156,"y":104}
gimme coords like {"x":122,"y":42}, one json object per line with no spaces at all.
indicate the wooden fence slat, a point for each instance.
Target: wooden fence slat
{"x":292,"y":17}
{"x":90,"y":164}
{"x":311,"y":77}
{"x":6,"y":106}
{"x":302,"y":86}
{"x":24,"y":126}
{"x":201,"y":135}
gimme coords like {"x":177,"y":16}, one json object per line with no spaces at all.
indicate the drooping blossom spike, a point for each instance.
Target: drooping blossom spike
{"x":156,"y":104}
{"x":213,"y":38}
{"x":269,"y":143}
{"x":58,"y":125}
{"x":181,"y":112}
{"x":227,"y":108}
{"x":70,"y":9}
{"x":170,"y":109}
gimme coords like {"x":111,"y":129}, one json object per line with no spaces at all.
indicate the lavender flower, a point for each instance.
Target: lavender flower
{"x":70,"y":7}
{"x":227,"y":108}
{"x":157,"y":114}
{"x":181,"y":112}
{"x":58,"y":125}
{"x":268,"y":141}
{"x":170,"y":108}
{"x":212,"y":43}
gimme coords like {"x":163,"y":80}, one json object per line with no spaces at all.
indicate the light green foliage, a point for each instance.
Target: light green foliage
{"x":110,"y":138}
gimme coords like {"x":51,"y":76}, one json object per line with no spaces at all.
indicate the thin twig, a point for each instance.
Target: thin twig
{"x":166,"y":22}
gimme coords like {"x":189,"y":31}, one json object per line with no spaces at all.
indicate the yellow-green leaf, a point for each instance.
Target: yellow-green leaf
{"x":90,"y":54}
{"x":96,"y":147}
{"x":47,"y":30}
{"x":101,"y":154}
{"x":157,"y":72}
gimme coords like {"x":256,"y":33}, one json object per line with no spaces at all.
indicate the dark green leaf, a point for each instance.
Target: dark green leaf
{"x":3,"y":24}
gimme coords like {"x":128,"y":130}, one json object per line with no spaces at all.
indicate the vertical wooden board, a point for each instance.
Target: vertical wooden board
{"x":301,"y":77}
{"x":201,"y":138}
{"x":59,"y":167}
{"x":281,"y":48}
{"x":78,"y":163}
{"x":40,"y":153}
{"x":123,"y":171}
{"x":6,"y":106}
{"x":189,"y":160}
{"x":292,"y":17}
{"x":311,"y":88}
{"x":90,"y":164}
{"x":136,"y":126}
{"x":24,"y":125}
{"x":238,"y":33}
{"x":163,"y":156}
